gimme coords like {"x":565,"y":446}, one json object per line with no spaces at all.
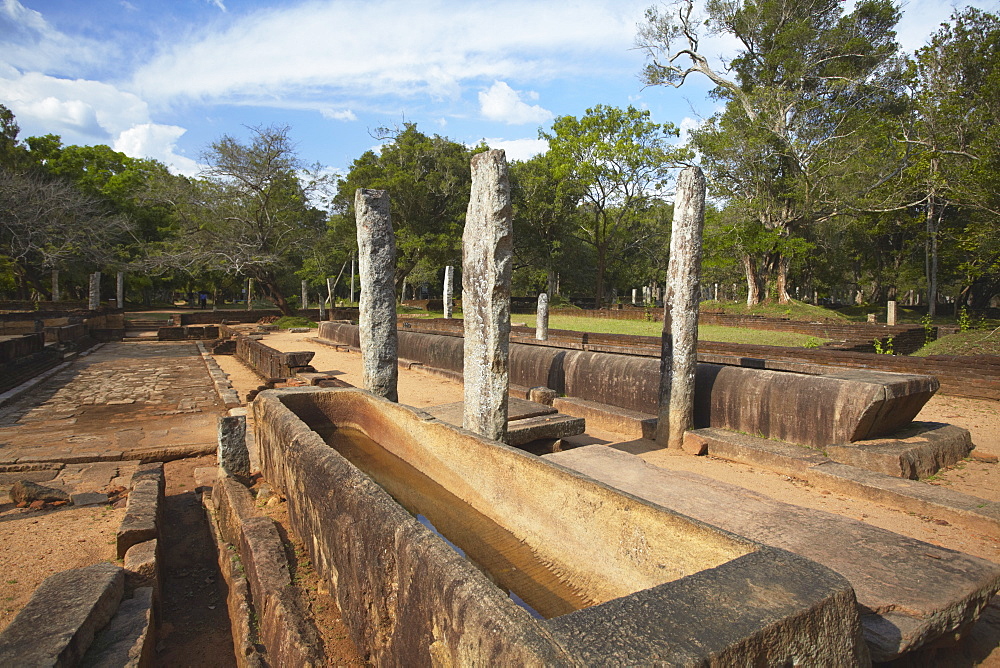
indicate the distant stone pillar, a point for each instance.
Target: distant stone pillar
{"x":872,"y":318}
{"x":322,"y":310}
{"x":329,"y":293}
{"x":234,"y":457}
{"x":486,"y":268}
{"x":249,"y":293}
{"x":120,"y":289}
{"x":716,"y":297}
{"x":542,"y":318}
{"x":95,"y":291}
{"x":377,"y":306}
{"x":890,"y":317}
{"x":633,"y":296}
{"x":678,"y":358}
{"x":55,"y":285}
{"x":352,"y":279}
{"x":305,"y":294}
{"x":449,"y":290}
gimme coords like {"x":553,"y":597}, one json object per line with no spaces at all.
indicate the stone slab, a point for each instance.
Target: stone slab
{"x":58,"y":624}
{"x":141,"y":521}
{"x":517,"y":409}
{"x":943,"y":591}
{"x":917,"y":451}
{"x":632,"y":424}
{"x":523,"y":431}
{"x":128,"y":641}
{"x":88,"y":498}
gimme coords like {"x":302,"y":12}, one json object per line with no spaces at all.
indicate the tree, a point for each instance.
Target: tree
{"x":544,"y":212}
{"x":250,"y":214}
{"x":805,"y":87}
{"x":429,"y":180}
{"x":621,"y":159}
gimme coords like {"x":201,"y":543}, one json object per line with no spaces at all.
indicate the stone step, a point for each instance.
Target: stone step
{"x":910,"y":593}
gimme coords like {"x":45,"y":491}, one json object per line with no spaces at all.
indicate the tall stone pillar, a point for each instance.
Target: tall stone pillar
{"x":95,"y":291}
{"x":120,"y":289}
{"x":249,"y":294}
{"x":352,"y":279}
{"x":487,"y":247}
{"x":55,"y":285}
{"x":891,"y":313}
{"x":305,"y":294}
{"x":377,"y":306}
{"x":679,"y":348}
{"x":322,"y":309}
{"x":449,"y":290}
{"x":542,"y":318}
{"x":633,"y":296}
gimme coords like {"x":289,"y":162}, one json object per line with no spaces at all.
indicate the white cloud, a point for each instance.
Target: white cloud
{"x":502,"y":103}
{"x":218,"y":3}
{"x":519,"y":149}
{"x":349,"y":49}
{"x":338,"y":114}
{"x":29,"y":42}
{"x":149,"y":140}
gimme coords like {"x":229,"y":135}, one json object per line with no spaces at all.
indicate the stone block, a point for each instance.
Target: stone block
{"x":59,"y":623}
{"x":128,"y":641}
{"x":234,"y":456}
{"x":695,"y":444}
{"x":542,"y":395}
{"x":25,"y":491}
{"x":170,"y":334}
{"x":141,"y":566}
{"x":141,"y":521}
{"x":917,"y":451}
{"x":89,"y":498}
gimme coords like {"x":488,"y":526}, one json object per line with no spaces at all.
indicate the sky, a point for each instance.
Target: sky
{"x":165,"y":79}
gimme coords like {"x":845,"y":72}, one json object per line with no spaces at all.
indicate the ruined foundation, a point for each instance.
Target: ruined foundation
{"x":622,"y":581}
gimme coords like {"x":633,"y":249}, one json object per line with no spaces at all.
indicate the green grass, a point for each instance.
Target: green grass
{"x":289,"y":321}
{"x":972,"y":342}
{"x":645,"y":328}
{"x":794,"y":310}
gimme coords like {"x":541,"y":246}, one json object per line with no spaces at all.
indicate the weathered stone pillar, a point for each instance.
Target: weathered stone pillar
{"x":249,"y":294}
{"x":234,"y":457}
{"x":95,"y":291}
{"x":542,"y":318}
{"x":322,"y":309}
{"x":55,"y":285}
{"x":679,"y":349}
{"x":633,"y":296}
{"x":120,"y":290}
{"x":377,"y":306}
{"x":487,"y":246}
{"x":352,"y":279}
{"x":890,"y":318}
{"x":449,"y":290}
{"x":305,"y":294}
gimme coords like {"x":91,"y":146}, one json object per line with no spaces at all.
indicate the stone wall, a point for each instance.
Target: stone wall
{"x":815,"y":410}
{"x":216,"y":317}
{"x":270,"y":363}
{"x":409,"y":599}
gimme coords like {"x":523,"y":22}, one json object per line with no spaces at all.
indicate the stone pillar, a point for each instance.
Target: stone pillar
{"x":449,"y":290}
{"x":120,"y":289}
{"x":249,"y":293}
{"x":716,"y":293}
{"x":487,"y":247}
{"x":679,"y":348}
{"x":542,"y":318}
{"x":95,"y":291}
{"x":322,"y":310}
{"x":234,"y":457}
{"x":633,"y":296}
{"x":305,"y":294}
{"x":329,"y":293}
{"x":890,"y":317}
{"x":377,"y":306}
{"x":55,"y":285}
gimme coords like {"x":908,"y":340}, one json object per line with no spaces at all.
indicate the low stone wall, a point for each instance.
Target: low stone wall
{"x":188,"y":332}
{"x":269,"y":363}
{"x":100,"y":615}
{"x":815,"y":410}
{"x":409,"y":599}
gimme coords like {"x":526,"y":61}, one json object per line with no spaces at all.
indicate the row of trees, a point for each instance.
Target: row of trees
{"x":836,"y":161}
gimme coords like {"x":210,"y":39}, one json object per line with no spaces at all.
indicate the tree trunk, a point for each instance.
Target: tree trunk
{"x":599,"y":287}
{"x":753,"y":280}
{"x":781,"y":280}
{"x":552,"y":280}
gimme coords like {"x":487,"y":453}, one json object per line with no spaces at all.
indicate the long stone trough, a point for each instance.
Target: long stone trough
{"x":447,"y":548}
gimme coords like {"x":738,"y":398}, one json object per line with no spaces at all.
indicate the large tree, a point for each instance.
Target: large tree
{"x":801,"y":96}
{"x":429,"y":180}
{"x":621,"y":159}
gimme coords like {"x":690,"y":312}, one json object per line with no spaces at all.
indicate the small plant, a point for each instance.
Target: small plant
{"x":883,"y":348}
{"x":964,"y":320}
{"x":929,"y":333}
{"x":811,"y":342}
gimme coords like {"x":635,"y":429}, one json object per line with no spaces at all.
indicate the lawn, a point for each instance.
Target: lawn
{"x":984,"y":341}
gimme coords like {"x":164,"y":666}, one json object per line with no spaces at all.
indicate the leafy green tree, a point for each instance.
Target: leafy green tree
{"x":621,"y":159}
{"x":801,"y":95}
{"x":429,"y":180}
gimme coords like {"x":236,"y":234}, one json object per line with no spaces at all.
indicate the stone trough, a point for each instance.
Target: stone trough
{"x":570,"y":571}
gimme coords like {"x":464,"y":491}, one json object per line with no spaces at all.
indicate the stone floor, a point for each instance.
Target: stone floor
{"x":140,"y":401}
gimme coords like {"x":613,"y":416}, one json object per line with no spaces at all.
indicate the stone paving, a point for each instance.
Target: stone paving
{"x":126,"y":401}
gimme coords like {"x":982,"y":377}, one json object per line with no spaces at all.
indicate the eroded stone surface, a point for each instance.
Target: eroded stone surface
{"x":377,"y":304}
{"x":234,"y":456}
{"x":487,"y":249}
{"x":542,"y":318}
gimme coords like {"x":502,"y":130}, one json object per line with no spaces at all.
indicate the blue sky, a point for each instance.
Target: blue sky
{"x":164,"y":79}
